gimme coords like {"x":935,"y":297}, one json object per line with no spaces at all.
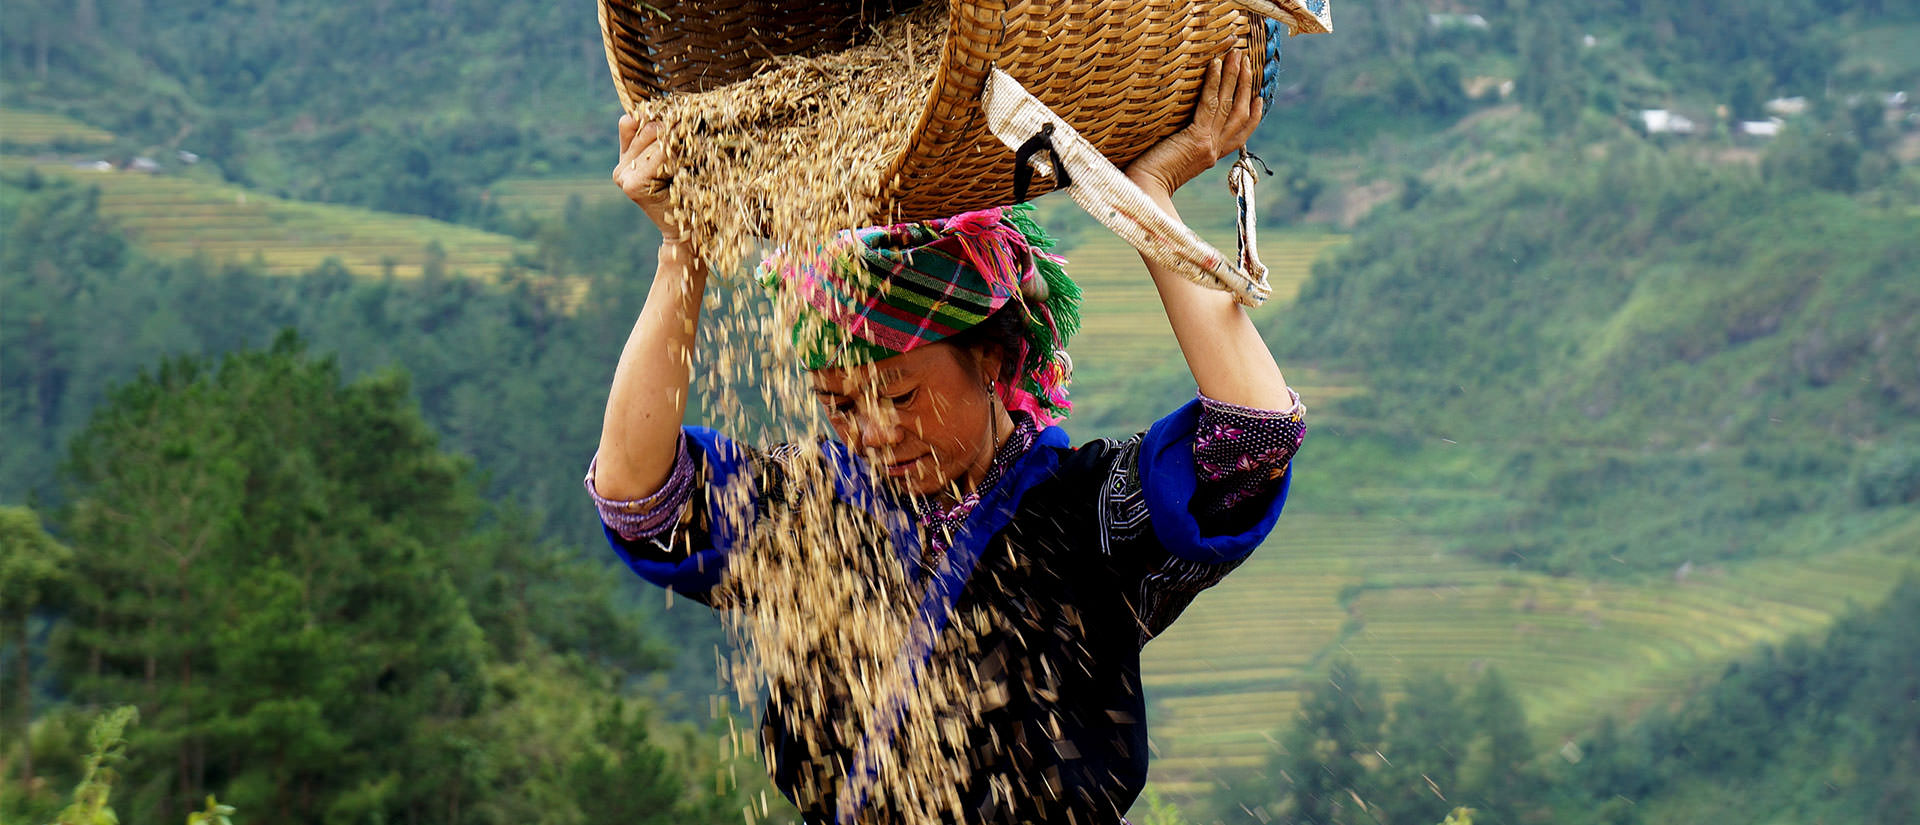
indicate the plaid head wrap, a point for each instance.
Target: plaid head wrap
{"x":868,"y":294}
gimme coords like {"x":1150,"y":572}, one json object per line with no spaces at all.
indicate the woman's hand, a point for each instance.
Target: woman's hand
{"x":643,"y":159}
{"x":640,"y":435}
{"x":1228,"y":109}
{"x":1225,"y":352}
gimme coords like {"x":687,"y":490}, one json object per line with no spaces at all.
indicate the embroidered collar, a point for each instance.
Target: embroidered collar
{"x":941,"y":523}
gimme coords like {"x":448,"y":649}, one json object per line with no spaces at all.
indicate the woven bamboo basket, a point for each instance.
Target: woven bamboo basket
{"x":1124,"y":73}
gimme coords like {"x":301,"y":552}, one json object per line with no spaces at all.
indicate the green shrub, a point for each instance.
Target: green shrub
{"x":1889,"y":476}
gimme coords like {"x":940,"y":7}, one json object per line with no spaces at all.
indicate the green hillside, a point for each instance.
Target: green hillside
{"x":174,"y":216}
{"x":1125,"y":347}
{"x":1229,"y":674}
{"x":497,"y":359}
{"x":43,"y":129}
{"x":406,"y":107}
{"x":1671,"y":377}
{"x":1627,"y":419}
{"x":547,"y":197}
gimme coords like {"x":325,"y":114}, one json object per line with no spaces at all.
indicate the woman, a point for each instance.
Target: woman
{"x":1078,"y":555}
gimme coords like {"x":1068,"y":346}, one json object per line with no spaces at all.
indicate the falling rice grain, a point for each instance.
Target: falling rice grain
{"x":821,"y":608}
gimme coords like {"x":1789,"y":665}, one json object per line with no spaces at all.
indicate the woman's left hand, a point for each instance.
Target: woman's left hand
{"x":1223,"y":119}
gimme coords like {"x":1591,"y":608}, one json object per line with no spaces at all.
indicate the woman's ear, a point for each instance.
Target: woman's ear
{"x":992,"y":362}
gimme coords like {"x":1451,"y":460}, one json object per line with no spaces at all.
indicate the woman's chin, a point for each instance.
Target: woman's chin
{"x":920,"y":478}
{"x":918,"y":484}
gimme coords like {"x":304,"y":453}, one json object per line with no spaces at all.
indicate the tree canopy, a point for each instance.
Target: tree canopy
{"x":317,"y":616}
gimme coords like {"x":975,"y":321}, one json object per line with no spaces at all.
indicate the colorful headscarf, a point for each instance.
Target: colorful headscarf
{"x":872,"y":293}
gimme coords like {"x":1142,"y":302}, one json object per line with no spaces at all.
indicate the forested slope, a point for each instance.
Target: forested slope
{"x":1818,"y":729}
{"x":317,"y":618}
{"x":510,"y":375}
{"x":407,"y":107}
{"x":1649,"y":369}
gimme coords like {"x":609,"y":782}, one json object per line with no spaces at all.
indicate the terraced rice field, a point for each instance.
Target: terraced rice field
{"x":548,"y":197}
{"x":1226,"y":678}
{"x":181,"y":217}
{"x":44,"y":129}
{"x":1125,"y":332}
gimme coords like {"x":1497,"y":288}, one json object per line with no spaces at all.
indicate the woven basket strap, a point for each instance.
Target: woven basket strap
{"x":1299,"y":16}
{"x":1104,"y":192}
{"x":1240,"y":180}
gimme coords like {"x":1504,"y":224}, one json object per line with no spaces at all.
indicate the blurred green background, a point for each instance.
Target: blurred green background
{"x":1607,"y":314}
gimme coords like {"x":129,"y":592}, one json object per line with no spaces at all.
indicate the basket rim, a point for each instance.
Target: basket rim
{"x":951,"y":125}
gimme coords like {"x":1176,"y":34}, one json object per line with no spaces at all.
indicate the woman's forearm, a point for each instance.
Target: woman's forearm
{"x":639,"y":436}
{"x":1228,"y":358}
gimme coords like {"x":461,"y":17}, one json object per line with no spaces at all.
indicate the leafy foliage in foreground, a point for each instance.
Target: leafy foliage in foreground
{"x":107,"y":736}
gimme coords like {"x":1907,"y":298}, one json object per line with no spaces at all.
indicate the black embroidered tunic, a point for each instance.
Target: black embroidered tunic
{"x":1080,"y":555}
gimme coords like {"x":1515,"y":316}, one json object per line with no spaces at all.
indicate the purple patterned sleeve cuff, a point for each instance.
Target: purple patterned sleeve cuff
{"x":653,"y":516}
{"x":1241,"y":453}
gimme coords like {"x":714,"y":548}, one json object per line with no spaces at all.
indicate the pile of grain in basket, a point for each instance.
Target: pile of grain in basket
{"x":822,"y":609}
{"x":799,"y":149}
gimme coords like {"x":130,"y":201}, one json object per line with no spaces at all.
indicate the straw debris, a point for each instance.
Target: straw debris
{"x":828,"y":620}
{"x":798,"y":150}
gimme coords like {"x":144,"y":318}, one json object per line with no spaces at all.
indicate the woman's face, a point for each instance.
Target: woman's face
{"x":924,"y":420}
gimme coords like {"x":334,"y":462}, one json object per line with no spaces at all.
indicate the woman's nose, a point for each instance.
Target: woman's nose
{"x":877,"y":428}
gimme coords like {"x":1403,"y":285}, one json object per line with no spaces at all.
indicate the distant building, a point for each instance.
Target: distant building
{"x":1787,"y":106}
{"x":1761,"y":128}
{"x":1894,"y":100}
{"x":1478,"y":86}
{"x":1664,"y":122}
{"x":143,"y":164}
{"x":1444,"y":20}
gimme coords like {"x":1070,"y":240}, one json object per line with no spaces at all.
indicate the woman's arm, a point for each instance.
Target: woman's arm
{"x":640,"y":436}
{"x":1224,"y":351}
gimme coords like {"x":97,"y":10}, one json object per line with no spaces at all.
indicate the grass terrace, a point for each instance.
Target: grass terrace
{"x":180,"y":217}
{"x":39,"y":129}
{"x":1225,"y":679}
{"x":548,"y":197}
{"x":1125,"y":332}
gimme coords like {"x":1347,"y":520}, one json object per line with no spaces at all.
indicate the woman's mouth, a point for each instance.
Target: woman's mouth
{"x":900,"y":468}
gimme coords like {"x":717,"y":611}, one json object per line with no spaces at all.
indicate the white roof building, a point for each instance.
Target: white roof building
{"x":1664,"y":122}
{"x":1787,"y":106}
{"x":1442,"y":20}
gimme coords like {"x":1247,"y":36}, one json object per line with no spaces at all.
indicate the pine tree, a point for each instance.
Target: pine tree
{"x":1498,"y":777}
{"x":1327,"y":755}
{"x":263,"y":558}
{"x":297,"y":588}
{"x":1424,"y":745}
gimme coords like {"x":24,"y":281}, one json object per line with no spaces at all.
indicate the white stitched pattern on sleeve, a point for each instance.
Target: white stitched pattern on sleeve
{"x":1167,"y":591}
{"x":1123,"y":500}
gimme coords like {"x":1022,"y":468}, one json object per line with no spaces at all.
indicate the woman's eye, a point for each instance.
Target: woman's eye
{"x":902,"y":399}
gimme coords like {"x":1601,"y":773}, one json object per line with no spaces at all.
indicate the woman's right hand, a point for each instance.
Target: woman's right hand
{"x":643,"y":159}
{"x":640,"y":435}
